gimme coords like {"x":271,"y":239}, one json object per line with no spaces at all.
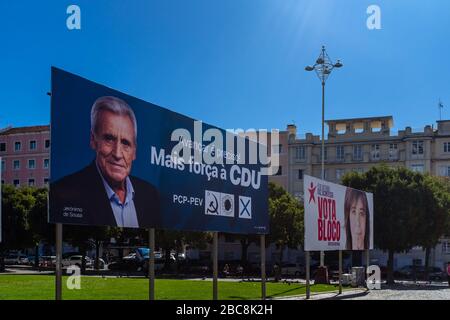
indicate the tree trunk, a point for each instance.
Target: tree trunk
{"x":83,"y":259}
{"x":97,"y":253}
{"x":278,"y":270}
{"x":167,"y":259}
{"x":357,"y":258}
{"x":427,"y":262}
{"x":2,"y":259}
{"x":280,"y":257}
{"x":36,"y":255}
{"x":244,"y":251}
{"x":390,"y":266}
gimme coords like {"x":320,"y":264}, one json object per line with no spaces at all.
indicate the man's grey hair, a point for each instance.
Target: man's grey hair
{"x":114,"y":105}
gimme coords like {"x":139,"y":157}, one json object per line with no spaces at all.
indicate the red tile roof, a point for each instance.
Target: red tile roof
{"x":32,"y":129}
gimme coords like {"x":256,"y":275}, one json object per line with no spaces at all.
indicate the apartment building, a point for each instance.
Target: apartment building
{"x":357,"y":145}
{"x":360,"y":143}
{"x":25,"y":154}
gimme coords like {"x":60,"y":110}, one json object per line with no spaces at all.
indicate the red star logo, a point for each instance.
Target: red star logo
{"x":312,"y":190}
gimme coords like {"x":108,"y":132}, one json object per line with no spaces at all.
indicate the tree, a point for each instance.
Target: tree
{"x":176,"y":240}
{"x":86,"y":238}
{"x":16,"y":204}
{"x":286,"y":219}
{"x":397,"y":210}
{"x":434,"y":218}
{"x":39,"y":227}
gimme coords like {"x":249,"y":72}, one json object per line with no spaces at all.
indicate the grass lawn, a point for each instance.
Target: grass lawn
{"x":41,"y":287}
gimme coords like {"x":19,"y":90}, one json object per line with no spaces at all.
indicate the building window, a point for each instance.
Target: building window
{"x":340,"y":153}
{"x":446,"y":247}
{"x":16,"y":183}
{"x":17,"y":146}
{"x":47,"y":144}
{"x":325,"y":153}
{"x":46,"y":182}
{"x":300,"y":174}
{"x":417,"y":147}
{"x":300,"y":153}
{"x":376,"y":152}
{"x":393,"y":151}
{"x":31,"y":182}
{"x":445,"y":171}
{"x":31,"y":164}
{"x":16,"y":164}
{"x":357,"y":152}
{"x":339,"y":173}
{"x":417,"y":168}
{"x":46,"y":163}
{"x":3,"y":165}
{"x":447,"y":147}
{"x":2,"y":147}
{"x":33,"y":145}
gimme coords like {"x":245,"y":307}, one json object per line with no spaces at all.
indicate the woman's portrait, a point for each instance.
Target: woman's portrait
{"x":357,"y":220}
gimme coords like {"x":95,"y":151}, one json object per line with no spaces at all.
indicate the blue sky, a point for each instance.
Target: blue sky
{"x":234,"y":64}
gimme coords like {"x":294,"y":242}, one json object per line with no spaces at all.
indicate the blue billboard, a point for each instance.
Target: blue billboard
{"x":117,"y":160}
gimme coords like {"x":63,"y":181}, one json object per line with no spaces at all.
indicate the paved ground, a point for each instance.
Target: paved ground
{"x":399,"y":291}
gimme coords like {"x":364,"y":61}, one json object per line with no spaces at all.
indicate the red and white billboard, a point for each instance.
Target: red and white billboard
{"x":336,"y":217}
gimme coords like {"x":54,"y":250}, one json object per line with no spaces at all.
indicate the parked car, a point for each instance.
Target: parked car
{"x":137,"y":261}
{"x":410,"y":272}
{"x":47,"y":261}
{"x":16,"y":259}
{"x":31,"y":260}
{"x":436,"y":274}
{"x":292,"y":269}
{"x":77,"y":261}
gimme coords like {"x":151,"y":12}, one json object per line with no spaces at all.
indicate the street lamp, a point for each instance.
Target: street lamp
{"x":323,"y":68}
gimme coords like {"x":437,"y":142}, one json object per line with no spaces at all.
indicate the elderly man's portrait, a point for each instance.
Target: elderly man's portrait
{"x":104,"y":192}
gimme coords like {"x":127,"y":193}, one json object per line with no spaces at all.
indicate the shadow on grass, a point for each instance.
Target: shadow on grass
{"x":282,"y":294}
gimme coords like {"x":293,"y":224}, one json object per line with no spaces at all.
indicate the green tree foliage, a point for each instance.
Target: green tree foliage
{"x":410,"y":208}
{"x":16,"y":206}
{"x":286,"y":219}
{"x":434,"y":203}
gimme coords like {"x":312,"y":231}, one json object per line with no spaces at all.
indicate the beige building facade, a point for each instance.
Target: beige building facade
{"x":357,"y":145}
{"x":360,"y":143}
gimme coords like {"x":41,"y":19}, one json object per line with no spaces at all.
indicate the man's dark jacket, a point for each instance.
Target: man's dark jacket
{"x":81,"y":198}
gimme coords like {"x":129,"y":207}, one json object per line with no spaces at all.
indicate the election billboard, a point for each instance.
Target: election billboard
{"x":117,"y":160}
{"x":336,"y":217}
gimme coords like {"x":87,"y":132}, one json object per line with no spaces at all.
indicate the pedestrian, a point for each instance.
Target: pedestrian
{"x":226,"y":270}
{"x":276,"y":272}
{"x":240,"y":271}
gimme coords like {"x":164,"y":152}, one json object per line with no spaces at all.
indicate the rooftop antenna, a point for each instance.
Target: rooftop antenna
{"x":440,"y":106}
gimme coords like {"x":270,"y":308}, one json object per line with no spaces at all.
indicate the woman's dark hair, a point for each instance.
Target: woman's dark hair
{"x":352,"y":196}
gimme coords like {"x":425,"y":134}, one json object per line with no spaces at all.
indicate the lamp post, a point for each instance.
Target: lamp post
{"x":323,"y":68}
